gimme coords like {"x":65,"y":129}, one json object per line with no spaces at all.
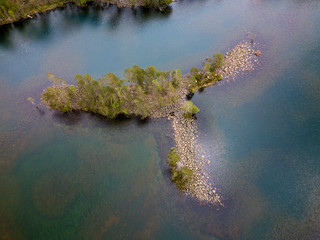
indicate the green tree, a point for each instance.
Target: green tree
{"x":216,"y":62}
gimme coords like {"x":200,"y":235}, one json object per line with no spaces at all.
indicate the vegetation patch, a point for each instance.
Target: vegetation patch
{"x":181,"y":175}
{"x":207,"y":75}
{"x":189,"y":109}
{"x":14,"y":10}
{"x":138,"y":94}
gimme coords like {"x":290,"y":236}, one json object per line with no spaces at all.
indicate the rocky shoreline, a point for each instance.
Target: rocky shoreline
{"x":238,"y":60}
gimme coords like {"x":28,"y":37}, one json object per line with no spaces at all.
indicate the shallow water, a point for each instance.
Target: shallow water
{"x":84,"y":177}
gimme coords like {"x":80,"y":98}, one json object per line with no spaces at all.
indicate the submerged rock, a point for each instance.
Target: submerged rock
{"x":257,"y":53}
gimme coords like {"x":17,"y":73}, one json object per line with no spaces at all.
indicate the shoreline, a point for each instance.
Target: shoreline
{"x":30,"y":14}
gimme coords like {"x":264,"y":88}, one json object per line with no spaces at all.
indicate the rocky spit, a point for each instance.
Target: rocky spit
{"x":239,"y":59}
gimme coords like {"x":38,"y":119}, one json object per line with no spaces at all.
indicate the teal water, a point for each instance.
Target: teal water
{"x":84,"y":177}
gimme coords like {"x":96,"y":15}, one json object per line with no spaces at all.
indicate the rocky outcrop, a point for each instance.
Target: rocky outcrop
{"x":239,"y":59}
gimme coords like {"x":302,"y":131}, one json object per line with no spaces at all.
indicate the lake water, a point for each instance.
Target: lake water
{"x":85,"y":177}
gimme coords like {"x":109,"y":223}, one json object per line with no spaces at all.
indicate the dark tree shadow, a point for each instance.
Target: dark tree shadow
{"x":142,"y":15}
{"x":69,"y":119}
{"x":71,"y":18}
{"x":40,"y":111}
{"x":5,"y":36}
{"x":201,"y":90}
{"x":115,"y":17}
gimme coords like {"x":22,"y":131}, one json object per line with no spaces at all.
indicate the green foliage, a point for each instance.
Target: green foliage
{"x":189,"y":109}
{"x":13,"y":10}
{"x":164,"y":4}
{"x":141,"y":92}
{"x":181,"y":175}
{"x":216,"y":62}
{"x":81,"y":2}
{"x":173,"y":158}
{"x":207,"y":75}
{"x":195,"y":79}
{"x":11,"y":14}
{"x":57,"y":98}
{"x":160,"y":4}
{"x":176,"y":78}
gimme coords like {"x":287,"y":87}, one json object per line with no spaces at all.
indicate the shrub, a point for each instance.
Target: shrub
{"x":189,"y":109}
{"x":173,"y":158}
{"x":181,"y":175}
{"x":207,"y":75}
{"x":217,"y":61}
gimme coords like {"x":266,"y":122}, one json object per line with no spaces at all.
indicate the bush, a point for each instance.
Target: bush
{"x":216,"y":62}
{"x":189,"y":109}
{"x":181,"y":175}
{"x":173,"y":158}
{"x":207,"y":75}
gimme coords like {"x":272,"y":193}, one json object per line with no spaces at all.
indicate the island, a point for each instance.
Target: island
{"x":151,"y":93}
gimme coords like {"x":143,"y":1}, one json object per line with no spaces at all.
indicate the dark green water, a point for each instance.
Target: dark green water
{"x":83,"y":177}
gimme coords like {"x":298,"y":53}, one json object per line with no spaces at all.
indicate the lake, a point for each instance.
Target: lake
{"x":81,"y":176}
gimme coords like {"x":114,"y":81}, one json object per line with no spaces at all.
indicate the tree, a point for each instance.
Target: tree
{"x":216,"y":62}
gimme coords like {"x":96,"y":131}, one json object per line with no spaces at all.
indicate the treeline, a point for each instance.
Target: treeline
{"x":138,"y":94}
{"x":14,"y":10}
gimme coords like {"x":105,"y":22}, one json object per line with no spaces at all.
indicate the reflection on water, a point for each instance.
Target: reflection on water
{"x":72,"y":18}
{"x":80,"y":176}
